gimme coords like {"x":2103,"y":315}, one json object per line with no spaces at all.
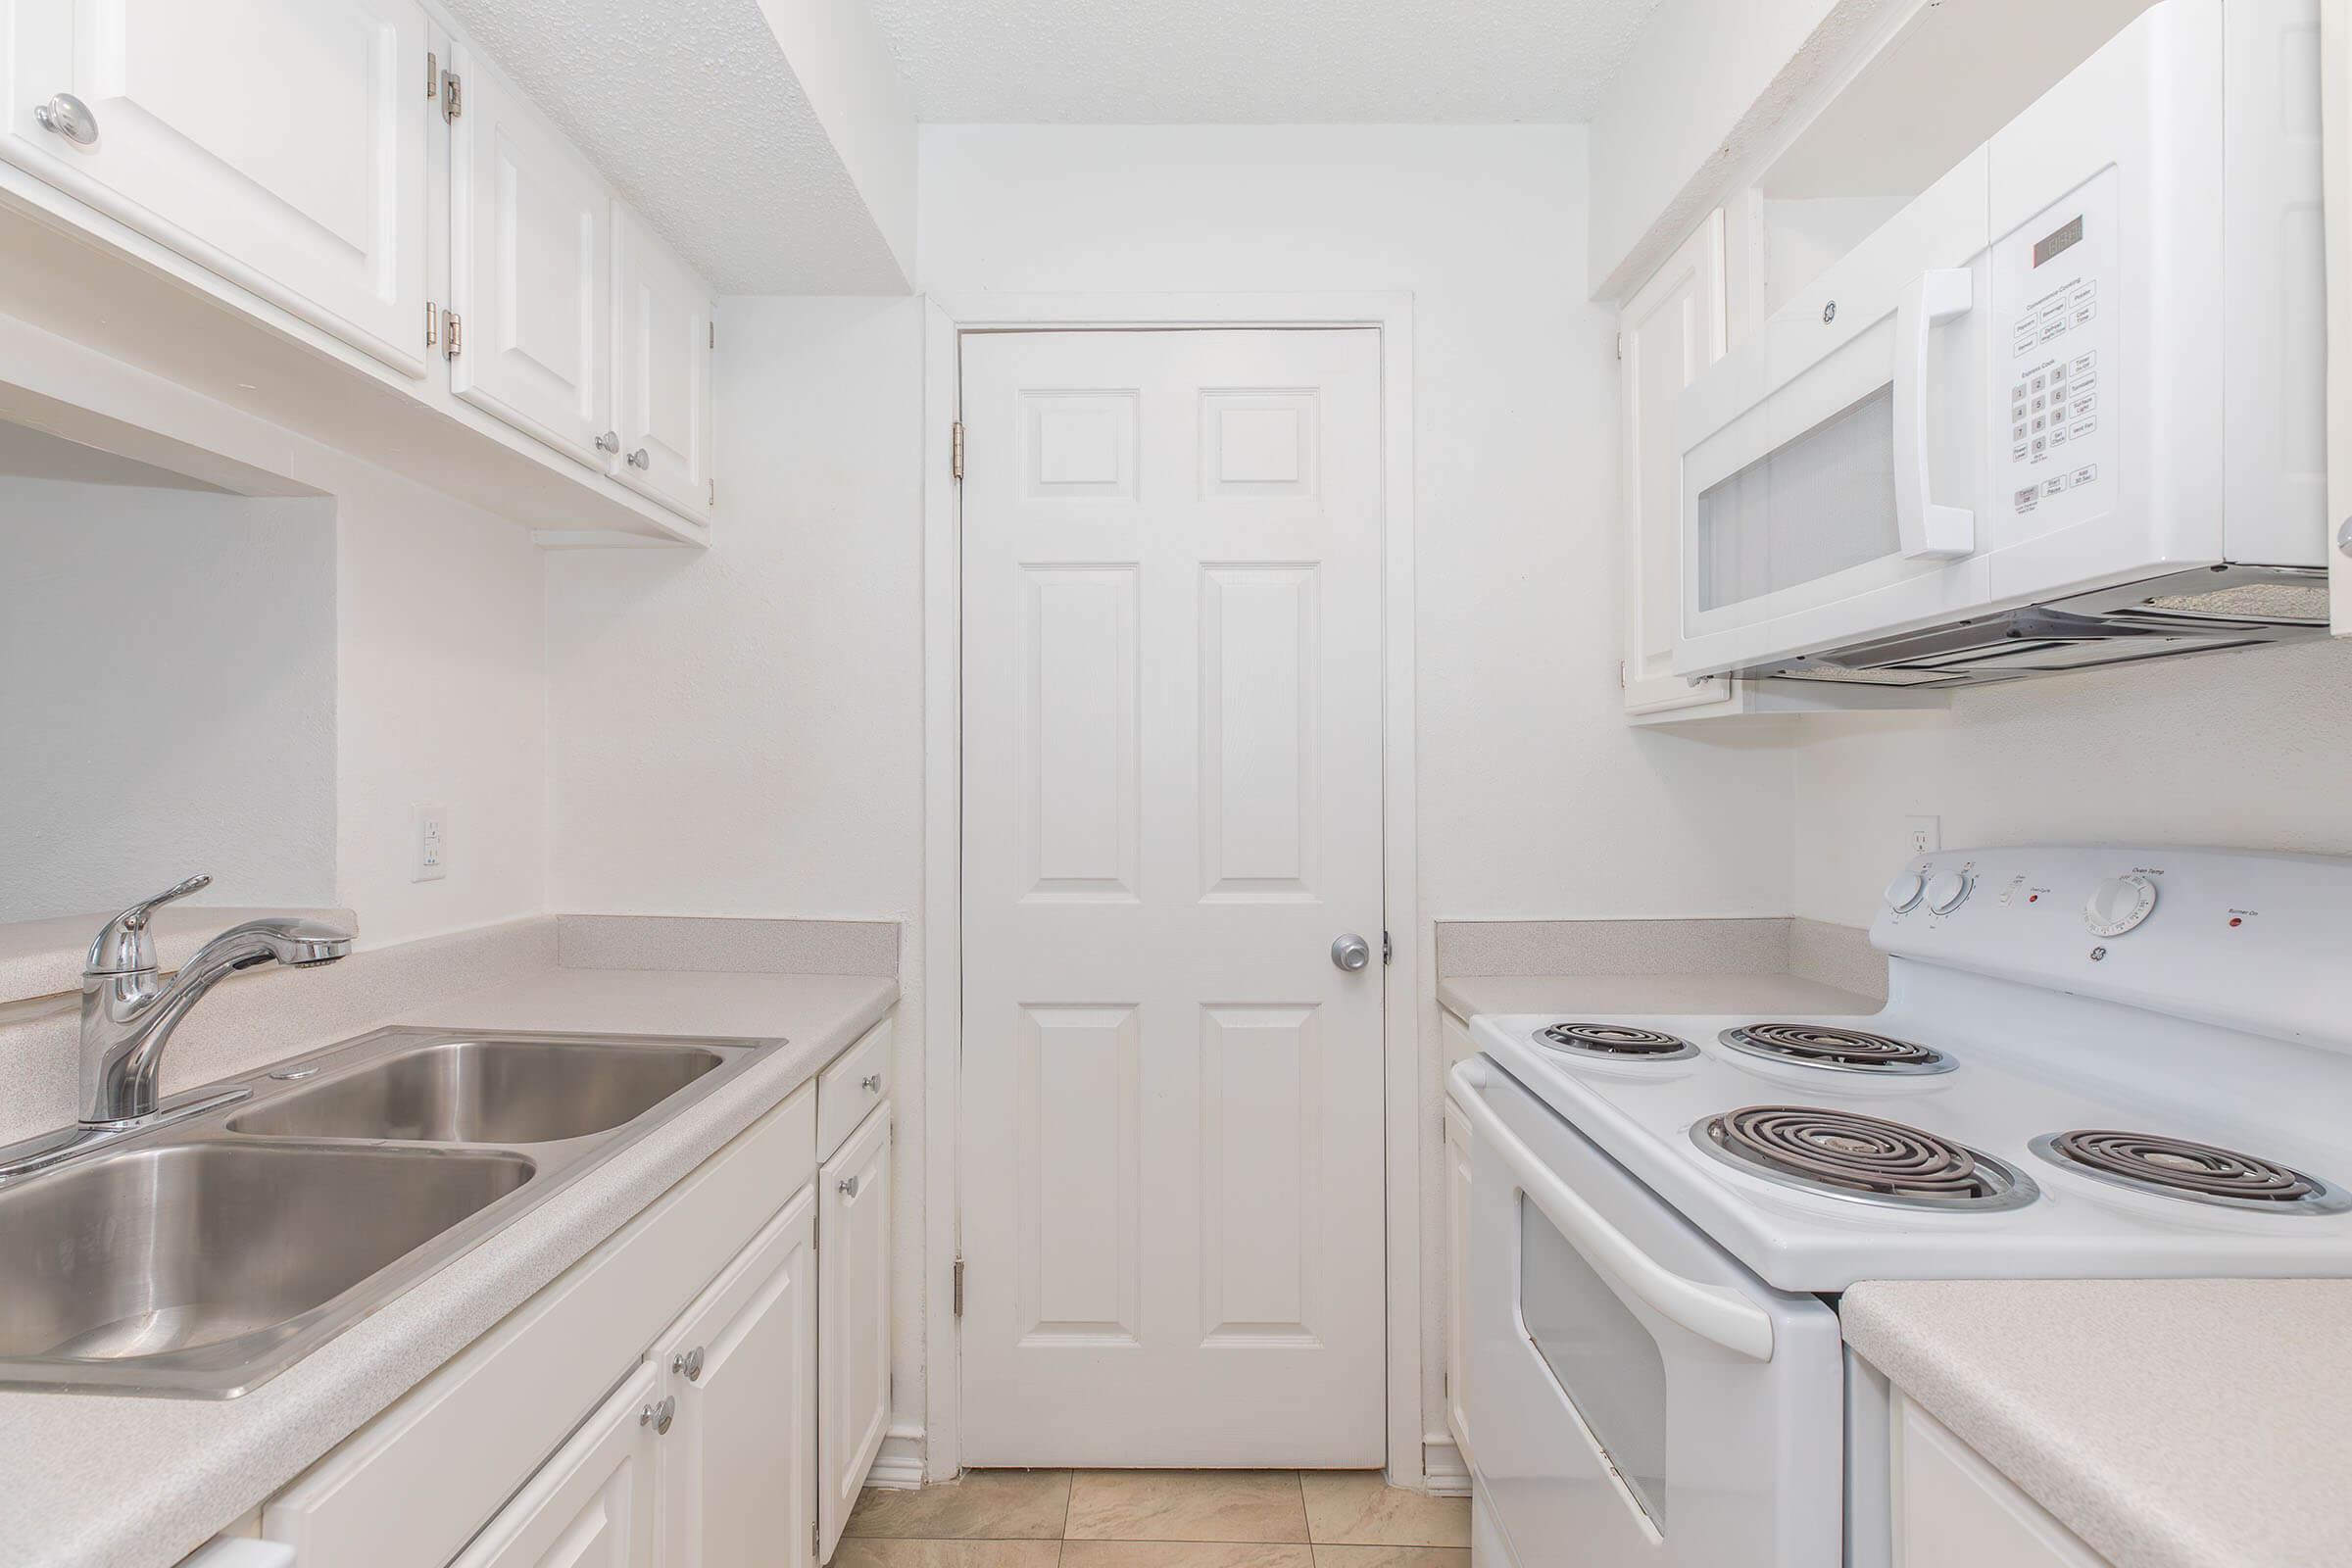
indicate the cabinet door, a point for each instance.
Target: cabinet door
{"x":1458,"y":1275}
{"x":1670,"y":332}
{"x":852,"y":1325}
{"x":281,"y":143}
{"x":737,"y":1469}
{"x":593,"y":1504}
{"x":1954,"y":1510}
{"x":531,"y":269}
{"x":661,"y":368}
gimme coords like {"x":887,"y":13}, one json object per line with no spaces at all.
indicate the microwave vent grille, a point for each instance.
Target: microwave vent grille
{"x":2265,"y":603}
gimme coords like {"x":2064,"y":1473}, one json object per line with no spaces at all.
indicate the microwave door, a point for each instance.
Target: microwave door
{"x":1833,"y":465}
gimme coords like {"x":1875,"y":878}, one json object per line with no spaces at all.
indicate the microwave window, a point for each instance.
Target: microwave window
{"x":1812,"y":507}
{"x":1606,"y":1360}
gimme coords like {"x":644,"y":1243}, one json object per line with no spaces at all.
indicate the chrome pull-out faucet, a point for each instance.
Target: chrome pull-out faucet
{"x":128,"y":1012}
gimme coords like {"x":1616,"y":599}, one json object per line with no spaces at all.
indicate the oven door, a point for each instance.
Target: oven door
{"x":1640,"y":1398}
{"x":1833,"y":465}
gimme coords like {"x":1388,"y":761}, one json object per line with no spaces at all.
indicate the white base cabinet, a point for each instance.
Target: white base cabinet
{"x":733,"y":1357}
{"x":1953,"y":1509}
{"x":594,"y":1505}
{"x":738,"y":1467}
{"x":1457,"y":1277}
{"x":853,"y":1387}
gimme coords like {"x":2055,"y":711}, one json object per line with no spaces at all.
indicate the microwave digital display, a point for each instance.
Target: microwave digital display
{"x":2058,"y":241}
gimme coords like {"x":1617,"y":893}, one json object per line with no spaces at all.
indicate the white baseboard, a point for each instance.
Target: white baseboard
{"x":1442,"y":1468}
{"x":899,"y":1467}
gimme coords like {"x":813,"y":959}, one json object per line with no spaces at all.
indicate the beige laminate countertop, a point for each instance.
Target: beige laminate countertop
{"x":133,"y":1481}
{"x":2169,"y":1423}
{"x":1468,"y":996}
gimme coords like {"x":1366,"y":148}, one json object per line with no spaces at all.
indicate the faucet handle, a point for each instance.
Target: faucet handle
{"x":123,"y":946}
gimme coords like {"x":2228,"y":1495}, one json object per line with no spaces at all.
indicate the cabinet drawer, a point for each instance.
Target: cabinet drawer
{"x":858,"y":1081}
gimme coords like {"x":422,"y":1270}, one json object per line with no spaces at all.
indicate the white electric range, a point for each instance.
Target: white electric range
{"x":2092,"y":1063}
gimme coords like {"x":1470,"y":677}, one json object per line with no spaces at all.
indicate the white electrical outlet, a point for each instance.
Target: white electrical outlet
{"x":433,"y":844}
{"x":1924,"y":834}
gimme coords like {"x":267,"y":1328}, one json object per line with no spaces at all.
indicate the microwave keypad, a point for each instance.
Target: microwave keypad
{"x":2050,"y":410}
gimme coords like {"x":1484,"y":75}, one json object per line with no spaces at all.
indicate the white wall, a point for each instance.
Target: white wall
{"x":2248,"y":749}
{"x":439,"y":651}
{"x":166,"y":697}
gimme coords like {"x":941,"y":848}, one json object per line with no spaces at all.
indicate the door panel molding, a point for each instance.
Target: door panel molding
{"x":1246,"y":456}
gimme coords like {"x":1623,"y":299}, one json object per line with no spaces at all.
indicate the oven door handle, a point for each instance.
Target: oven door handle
{"x":1715,"y":1313}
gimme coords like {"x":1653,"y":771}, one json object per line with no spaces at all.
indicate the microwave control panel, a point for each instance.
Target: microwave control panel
{"x":2055,"y":380}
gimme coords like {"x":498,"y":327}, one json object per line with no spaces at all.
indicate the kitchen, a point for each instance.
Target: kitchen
{"x":688,"y":521}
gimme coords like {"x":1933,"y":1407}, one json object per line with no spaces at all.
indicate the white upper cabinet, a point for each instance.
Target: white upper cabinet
{"x":1673,"y":329}
{"x":279,"y":143}
{"x":662,"y":367}
{"x":530,"y":270}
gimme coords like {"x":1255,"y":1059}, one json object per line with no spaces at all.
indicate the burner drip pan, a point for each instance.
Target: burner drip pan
{"x":1619,"y":1042}
{"x":1839,"y":1049}
{"x":1843,"y":1153}
{"x":2191,"y":1171}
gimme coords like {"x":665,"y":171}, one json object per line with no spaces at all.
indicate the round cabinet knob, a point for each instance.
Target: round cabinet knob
{"x":1948,"y":892}
{"x":69,"y":117}
{"x":2118,"y":904}
{"x":1904,"y":893}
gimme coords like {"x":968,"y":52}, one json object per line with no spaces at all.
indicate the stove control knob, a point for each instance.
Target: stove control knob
{"x":1948,"y":892}
{"x":1902,"y":893}
{"x":2119,"y":905}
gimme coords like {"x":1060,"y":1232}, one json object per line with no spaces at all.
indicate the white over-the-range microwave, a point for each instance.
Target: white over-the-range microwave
{"x":2066,"y":409}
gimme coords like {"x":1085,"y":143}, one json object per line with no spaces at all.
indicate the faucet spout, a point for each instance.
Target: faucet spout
{"x":128,"y":1012}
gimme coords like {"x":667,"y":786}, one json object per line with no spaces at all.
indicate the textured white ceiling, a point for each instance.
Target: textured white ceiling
{"x":1258,"y":62}
{"x":689,"y":108}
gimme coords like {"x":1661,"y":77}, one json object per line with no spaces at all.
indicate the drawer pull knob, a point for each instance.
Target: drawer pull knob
{"x":659,"y":1416}
{"x":872,"y":1083}
{"x":69,"y":117}
{"x":849,"y":1187}
{"x":689,"y":1362}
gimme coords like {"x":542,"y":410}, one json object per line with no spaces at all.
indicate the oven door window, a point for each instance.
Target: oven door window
{"x":1606,"y":1360}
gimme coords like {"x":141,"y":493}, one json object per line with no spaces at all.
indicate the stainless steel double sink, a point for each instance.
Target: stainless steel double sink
{"x":208,"y":1255}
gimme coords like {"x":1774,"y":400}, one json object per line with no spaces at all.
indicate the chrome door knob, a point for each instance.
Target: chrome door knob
{"x":1351,"y":953}
{"x":69,"y":117}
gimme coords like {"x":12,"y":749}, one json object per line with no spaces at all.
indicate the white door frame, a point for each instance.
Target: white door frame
{"x":945,"y":319}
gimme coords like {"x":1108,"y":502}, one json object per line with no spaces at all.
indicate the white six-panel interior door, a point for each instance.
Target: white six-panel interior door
{"x":1171,"y":1134}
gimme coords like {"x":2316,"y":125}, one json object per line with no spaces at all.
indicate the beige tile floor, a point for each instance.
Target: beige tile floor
{"x":1158,"y":1519}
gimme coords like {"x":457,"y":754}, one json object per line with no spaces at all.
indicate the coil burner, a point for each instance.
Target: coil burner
{"x":1820,"y":1045}
{"x":1844,"y":1154}
{"x":2198,"y":1173}
{"x":1618,"y":1042}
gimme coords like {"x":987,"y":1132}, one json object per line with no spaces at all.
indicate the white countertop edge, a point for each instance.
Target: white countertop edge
{"x":1656,"y":995}
{"x":138,"y":1482}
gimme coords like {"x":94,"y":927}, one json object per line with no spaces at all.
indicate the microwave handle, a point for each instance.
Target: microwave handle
{"x":1714,"y":1313}
{"x":1928,"y":532}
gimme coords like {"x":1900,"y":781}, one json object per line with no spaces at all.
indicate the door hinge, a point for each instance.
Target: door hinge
{"x":955,"y":451}
{"x":817,"y":1536}
{"x":713,"y":326}
{"x":1387,"y":949}
{"x":432,"y":325}
{"x":432,"y":75}
{"x":960,"y":1287}
{"x":715,"y":492}
{"x":1621,"y":345}
{"x":453,"y":334}
{"x":453,"y":95}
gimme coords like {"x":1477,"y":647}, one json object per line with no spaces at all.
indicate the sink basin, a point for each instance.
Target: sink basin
{"x":207,"y":1253}
{"x":195,"y":1256}
{"x":486,"y":1091}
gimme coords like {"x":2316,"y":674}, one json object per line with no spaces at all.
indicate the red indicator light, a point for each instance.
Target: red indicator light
{"x":2236,"y":920}
{"x":2033,"y":898}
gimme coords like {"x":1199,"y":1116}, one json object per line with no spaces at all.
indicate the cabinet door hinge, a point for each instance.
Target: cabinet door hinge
{"x":955,"y":451}
{"x":432,"y":325}
{"x":453,"y":334}
{"x":432,"y":75}
{"x":960,"y":1287}
{"x":715,"y":492}
{"x":713,"y":326}
{"x":1621,"y":345}
{"x":453,"y":95}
